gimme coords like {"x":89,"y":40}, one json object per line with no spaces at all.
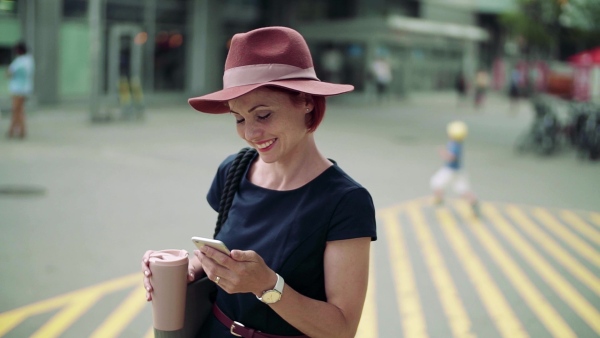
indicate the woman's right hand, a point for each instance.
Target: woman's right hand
{"x":194,"y":269}
{"x":147,"y":273}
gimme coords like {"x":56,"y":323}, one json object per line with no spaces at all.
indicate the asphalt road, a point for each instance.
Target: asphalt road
{"x":81,"y":202}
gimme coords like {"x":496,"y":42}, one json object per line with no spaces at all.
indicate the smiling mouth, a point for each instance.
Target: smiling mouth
{"x":265,"y":145}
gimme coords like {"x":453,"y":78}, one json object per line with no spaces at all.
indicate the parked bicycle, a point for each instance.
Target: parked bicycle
{"x":584,"y":129}
{"x":544,"y":134}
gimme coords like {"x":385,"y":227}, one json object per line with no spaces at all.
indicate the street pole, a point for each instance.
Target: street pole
{"x":95,"y":21}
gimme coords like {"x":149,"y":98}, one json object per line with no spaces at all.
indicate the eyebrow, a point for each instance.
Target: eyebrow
{"x":249,"y":111}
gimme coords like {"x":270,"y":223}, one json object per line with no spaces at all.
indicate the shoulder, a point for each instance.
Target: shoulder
{"x":341,"y":186}
{"x":351,"y":206}
{"x":227,"y":163}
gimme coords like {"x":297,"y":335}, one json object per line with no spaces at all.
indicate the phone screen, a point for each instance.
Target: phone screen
{"x":213,"y":243}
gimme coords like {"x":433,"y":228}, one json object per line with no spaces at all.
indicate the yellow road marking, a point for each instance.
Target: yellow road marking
{"x":118,"y":319}
{"x":493,"y":300}
{"x":67,"y":316}
{"x":553,"y":322}
{"x":460,"y":323}
{"x":595,"y":217}
{"x":580,"y":225}
{"x":413,"y":321}
{"x":367,"y":327}
{"x":555,"y":250}
{"x":10,"y":319}
{"x":578,"y":245}
{"x":567,"y":292}
{"x":8,"y":322}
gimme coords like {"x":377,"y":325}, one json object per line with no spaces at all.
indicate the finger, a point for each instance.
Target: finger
{"x":146,"y":256}
{"x":191,"y":276}
{"x":244,"y":256}
{"x":146,"y":270}
{"x":216,"y":255}
{"x":147,"y":285}
{"x":148,"y":288}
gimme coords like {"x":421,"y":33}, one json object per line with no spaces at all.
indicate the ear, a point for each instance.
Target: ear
{"x":309,"y":103}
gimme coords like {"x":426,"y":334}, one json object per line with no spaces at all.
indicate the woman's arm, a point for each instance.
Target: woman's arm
{"x":346,"y":278}
{"x":346,"y":264}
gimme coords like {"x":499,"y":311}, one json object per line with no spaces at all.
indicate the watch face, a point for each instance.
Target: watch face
{"x":271,"y":296}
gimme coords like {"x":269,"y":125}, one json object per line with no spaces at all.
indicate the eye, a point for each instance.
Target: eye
{"x":264,"y":117}
{"x":238,"y":118}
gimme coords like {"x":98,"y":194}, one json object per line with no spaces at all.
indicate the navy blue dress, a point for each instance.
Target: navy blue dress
{"x":289,"y":230}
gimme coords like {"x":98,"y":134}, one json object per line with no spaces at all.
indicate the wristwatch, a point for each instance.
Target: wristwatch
{"x":273,"y":296}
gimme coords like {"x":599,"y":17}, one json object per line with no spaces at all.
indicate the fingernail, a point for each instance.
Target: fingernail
{"x":147,"y":296}
{"x":146,"y":273}
{"x":147,"y":288}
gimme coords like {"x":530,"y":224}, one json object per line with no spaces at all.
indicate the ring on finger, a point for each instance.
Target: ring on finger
{"x":217,"y":280}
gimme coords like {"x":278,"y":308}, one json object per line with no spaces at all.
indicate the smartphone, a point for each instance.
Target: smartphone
{"x":213,"y":243}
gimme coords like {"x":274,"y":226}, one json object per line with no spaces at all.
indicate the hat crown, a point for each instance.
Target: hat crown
{"x":269,"y":45}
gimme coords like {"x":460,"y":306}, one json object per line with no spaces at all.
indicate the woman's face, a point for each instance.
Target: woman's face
{"x":271,"y":121}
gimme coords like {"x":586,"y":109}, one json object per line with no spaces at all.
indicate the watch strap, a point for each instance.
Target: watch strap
{"x":278,"y":289}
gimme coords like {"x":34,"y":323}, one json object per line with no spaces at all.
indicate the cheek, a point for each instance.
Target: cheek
{"x":240,"y":130}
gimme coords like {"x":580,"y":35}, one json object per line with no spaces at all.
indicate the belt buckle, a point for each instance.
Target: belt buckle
{"x":232,"y":328}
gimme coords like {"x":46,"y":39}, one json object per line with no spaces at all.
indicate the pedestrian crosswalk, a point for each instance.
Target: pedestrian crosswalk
{"x":534,"y":271}
{"x":515,"y":271}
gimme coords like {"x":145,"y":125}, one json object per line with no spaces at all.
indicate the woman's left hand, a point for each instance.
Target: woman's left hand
{"x":241,"y":272}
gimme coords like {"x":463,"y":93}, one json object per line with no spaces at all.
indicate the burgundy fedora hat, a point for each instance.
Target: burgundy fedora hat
{"x":270,"y":56}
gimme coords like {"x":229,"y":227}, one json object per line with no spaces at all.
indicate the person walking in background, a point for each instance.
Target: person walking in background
{"x":514,"y":89}
{"x":482,"y":82}
{"x":453,"y":173}
{"x":332,"y":62}
{"x":382,"y":74}
{"x":461,"y":88}
{"x":301,"y":228}
{"x":20,"y":85}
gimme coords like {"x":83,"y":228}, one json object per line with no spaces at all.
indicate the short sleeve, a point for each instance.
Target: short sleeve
{"x":453,"y":148}
{"x":354,"y":217}
{"x":214,"y":193}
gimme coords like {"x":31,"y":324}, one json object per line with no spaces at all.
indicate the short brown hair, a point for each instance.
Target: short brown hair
{"x":318,"y":112}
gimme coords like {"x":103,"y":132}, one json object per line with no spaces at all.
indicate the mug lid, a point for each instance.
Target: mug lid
{"x":170,"y":257}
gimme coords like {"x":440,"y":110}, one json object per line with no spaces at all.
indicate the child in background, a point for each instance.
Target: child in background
{"x":452,"y":172}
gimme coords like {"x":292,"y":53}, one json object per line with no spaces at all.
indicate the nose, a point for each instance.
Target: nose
{"x":252,"y":131}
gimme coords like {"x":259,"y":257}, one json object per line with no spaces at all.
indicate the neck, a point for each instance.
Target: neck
{"x":300,"y":166}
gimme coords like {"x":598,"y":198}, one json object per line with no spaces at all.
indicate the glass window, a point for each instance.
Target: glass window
{"x":75,"y":8}
{"x":8,"y":8}
{"x":170,"y":45}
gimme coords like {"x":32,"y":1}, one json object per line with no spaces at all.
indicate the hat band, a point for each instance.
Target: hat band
{"x":252,"y":74}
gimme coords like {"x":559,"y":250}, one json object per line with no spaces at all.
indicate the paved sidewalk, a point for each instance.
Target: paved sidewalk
{"x":104,"y":193}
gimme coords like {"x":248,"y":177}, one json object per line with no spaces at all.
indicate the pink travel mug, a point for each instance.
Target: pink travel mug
{"x":169,"y":283}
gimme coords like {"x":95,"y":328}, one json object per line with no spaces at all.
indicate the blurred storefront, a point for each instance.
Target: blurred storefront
{"x":176,"y":48}
{"x":425,"y":55}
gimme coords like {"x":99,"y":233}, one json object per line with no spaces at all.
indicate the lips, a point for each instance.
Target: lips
{"x":265,"y":145}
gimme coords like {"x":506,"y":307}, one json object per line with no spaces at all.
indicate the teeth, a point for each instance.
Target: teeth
{"x":266,"y":144}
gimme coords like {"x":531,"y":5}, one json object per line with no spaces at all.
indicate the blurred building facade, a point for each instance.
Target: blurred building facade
{"x":177,"y":48}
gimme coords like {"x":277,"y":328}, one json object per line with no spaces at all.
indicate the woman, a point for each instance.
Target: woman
{"x":301,"y":227}
{"x":20,"y":73}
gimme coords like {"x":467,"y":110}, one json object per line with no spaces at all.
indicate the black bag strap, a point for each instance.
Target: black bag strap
{"x":232,"y":183}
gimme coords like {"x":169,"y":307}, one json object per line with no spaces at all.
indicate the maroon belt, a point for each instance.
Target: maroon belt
{"x":239,"y":330}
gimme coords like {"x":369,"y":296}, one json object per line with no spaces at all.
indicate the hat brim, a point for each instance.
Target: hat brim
{"x":214,"y":103}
